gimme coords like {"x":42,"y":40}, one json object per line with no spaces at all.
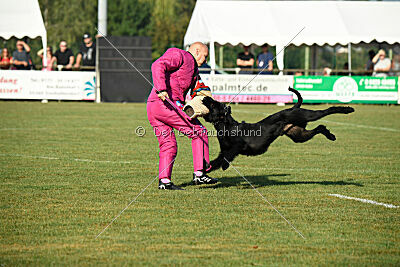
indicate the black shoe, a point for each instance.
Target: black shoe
{"x":203,"y":179}
{"x":168,"y":186}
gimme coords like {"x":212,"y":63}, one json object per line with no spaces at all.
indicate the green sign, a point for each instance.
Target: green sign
{"x":346,"y":89}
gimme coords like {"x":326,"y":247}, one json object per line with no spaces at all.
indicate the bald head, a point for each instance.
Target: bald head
{"x":199,"y":51}
{"x":63,"y":46}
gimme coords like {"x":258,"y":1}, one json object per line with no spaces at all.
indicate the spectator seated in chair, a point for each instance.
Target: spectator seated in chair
{"x":264,"y":61}
{"x":63,"y":57}
{"x":49,"y":63}
{"x":382,"y":64}
{"x":245,"y":60}
{"x":87,"y":53}
{"x":20,"y":57}
{"x":5,"y":59}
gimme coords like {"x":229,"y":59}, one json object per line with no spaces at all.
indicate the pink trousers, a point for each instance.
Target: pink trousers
{"x":164,"y":118}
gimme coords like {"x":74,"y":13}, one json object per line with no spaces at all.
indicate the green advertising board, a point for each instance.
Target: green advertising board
{"x":347,"y":89}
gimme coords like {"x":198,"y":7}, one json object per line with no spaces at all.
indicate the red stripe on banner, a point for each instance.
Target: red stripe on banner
{"x":255,"y":98}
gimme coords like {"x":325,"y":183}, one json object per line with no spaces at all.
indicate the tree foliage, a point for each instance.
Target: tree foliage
{"x":129,"y":17}
{"x":68,"y":20}
{"x":165,"y":21}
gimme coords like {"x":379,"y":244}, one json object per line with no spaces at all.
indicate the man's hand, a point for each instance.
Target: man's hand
{"x":163,"y":95}
{"x":25,"y":45}
{"x":18,"y":63}
{"x":270,"y":65}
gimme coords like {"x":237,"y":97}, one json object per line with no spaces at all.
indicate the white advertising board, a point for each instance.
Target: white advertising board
{"x":56,"y":85}
{"x":248,"y":88}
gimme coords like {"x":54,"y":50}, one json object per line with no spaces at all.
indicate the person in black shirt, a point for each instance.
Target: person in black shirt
{"x":64,"y":56}
{"x":245,"y":60}
{"x":87,"y":52}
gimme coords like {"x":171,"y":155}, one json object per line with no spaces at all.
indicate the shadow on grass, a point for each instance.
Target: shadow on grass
{"x":264,"y":180}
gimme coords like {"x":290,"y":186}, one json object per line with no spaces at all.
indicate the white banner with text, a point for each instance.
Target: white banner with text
{"x":52,"y":85}
{"x":262,"y":89}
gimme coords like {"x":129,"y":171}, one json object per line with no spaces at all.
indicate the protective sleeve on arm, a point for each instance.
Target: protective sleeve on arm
{"x":170,"y":61}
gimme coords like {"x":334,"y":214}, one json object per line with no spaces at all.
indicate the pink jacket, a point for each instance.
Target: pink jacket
{"x":176,"y":71}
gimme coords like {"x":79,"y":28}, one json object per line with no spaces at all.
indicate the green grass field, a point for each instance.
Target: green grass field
{"x":67,"y":169}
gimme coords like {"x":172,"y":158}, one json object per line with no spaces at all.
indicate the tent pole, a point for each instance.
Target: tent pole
{"x":306,"y":60}
{"x":314,"y":58}
{"x":102,"y":17}
{"x":334,"y":58}
{"x":212,"y":57}
{"x":98,"y":96}
{"x":44,"y":43}
{"x":349,"y":57}
{"x":280,"y":58}
{"x":221,"y":56}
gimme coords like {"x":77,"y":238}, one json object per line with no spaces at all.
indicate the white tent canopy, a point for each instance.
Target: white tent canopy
{"x":22,"y":18}
{"x":278,"y":22}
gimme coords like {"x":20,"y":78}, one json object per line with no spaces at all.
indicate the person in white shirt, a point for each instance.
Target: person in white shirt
{"x":382,"y":64}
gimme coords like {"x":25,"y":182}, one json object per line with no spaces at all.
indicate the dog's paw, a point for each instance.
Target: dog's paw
{"x":215,"y":165}
{"x":225,"y":166}
{"x":331,"y":136}
{"x":326,"y":132}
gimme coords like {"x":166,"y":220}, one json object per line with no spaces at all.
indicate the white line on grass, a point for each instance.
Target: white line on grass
{"x":363,"y":126}
{"x":28,"y":156}
{"x":55,"y":158}
{"x":357,"y":171}
{"x":23,"y":129}
{"x":335,"y":122}
{"x":266,"y":200}
{"x":51,"y":128}
{"x":103,"y":161}
{"x":240,"y":167}
{"x":366,"y":201}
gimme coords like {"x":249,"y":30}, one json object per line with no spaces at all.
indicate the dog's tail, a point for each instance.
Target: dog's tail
{"x":299,"y":98}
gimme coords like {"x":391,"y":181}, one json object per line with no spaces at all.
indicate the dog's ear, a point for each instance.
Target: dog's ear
{"x":207,"y":101}
{"x":211,"y":104}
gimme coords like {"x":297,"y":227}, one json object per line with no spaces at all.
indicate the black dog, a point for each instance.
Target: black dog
{"x":252,"y":139}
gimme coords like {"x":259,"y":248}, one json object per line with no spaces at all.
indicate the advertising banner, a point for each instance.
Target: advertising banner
{"x":248,"y":88}
{"x":56,"y":85}
{"x":346,"y":89}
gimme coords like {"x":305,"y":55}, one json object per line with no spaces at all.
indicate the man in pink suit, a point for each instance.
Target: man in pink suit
{"x":174,"y":74}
